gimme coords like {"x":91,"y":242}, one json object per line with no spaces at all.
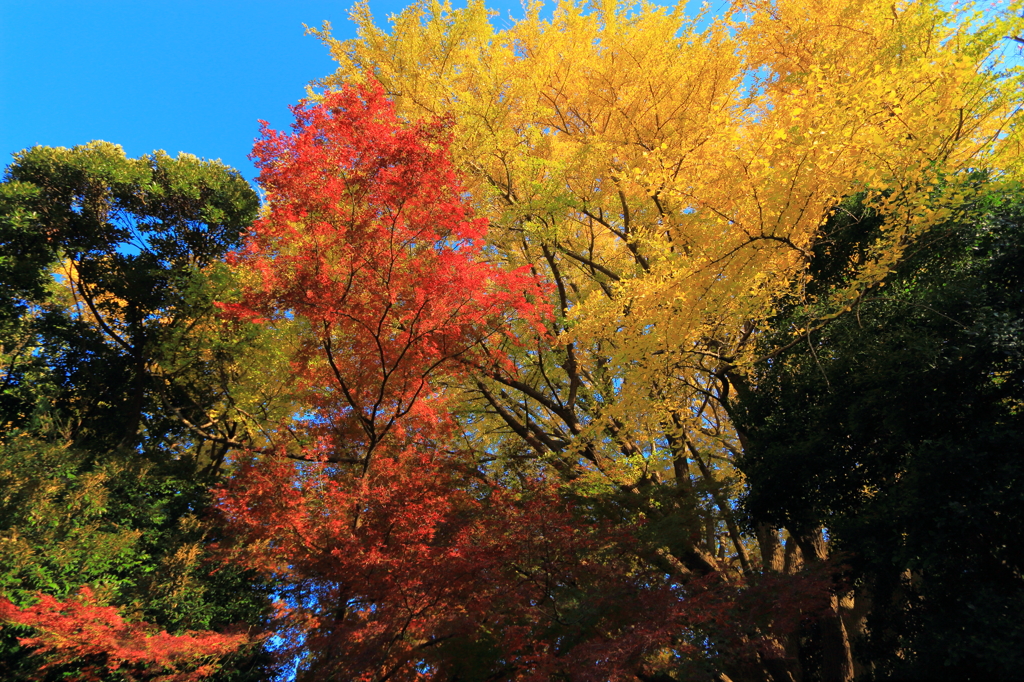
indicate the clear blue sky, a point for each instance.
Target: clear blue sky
{"x":178,"y":75}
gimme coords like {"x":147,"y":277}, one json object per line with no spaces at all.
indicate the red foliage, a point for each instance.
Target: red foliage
{"x":370,"y":244}
{"x":393,"y":573}
{"x":98,"y":641}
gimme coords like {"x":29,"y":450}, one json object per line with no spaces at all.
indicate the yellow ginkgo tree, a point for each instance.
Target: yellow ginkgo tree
{"x":669,"y":175}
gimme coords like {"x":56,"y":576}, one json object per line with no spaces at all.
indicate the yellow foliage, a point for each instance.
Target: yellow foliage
{"x":672,"y":173}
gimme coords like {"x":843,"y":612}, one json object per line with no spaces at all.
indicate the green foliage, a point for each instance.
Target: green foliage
{"x":899,"y":428}
{"x":112,"y":257}
{"x":122,"y":387}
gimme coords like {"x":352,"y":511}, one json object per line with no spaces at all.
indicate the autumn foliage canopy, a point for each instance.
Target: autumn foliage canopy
{"x":505,"y":341}
{"x":401,"y":554}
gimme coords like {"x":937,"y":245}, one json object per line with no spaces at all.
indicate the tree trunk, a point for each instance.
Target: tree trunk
{"x":772,"y":557}
{"x":836,"y":655}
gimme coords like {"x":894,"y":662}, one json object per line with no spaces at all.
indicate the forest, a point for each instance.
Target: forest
{"x":614,"y":343}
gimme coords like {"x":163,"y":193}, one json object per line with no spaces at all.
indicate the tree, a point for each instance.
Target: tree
{"x":122,"y":391}
{"x":899,"y":430}
{"x":671,"y":183}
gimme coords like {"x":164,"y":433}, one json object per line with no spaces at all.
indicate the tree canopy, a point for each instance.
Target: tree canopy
{"x":898,"y":427}
{"x":111,"y":348}
{"x":616,"y":345}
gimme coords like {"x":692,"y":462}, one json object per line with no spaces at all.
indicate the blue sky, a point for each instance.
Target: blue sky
{"x":187,"y":75}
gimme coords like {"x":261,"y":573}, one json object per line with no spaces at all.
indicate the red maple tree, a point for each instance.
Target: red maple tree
{"x":370,"y":248}
{"x":370,"y":244}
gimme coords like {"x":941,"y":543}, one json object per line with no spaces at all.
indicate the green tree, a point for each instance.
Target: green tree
{"x":123,"y":390}
{"x":898,"y":427}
